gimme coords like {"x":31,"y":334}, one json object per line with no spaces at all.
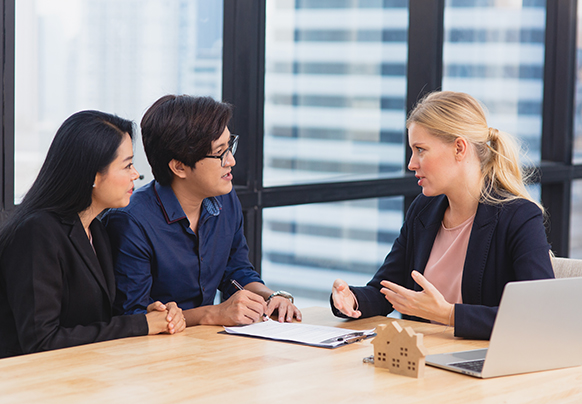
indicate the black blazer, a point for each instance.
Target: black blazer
{"x":55,"y":290}
{"x":507,"y":243}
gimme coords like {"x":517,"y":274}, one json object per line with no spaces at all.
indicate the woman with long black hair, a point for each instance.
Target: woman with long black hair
{"x":56,"y":274}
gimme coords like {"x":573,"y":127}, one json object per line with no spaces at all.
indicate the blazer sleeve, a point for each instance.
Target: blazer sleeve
{"x":34,"y":276}
{"x":371,"y":302}
{"x":521,"y":253}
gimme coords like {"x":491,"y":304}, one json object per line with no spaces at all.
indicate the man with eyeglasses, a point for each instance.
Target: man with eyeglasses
{"x":181,"y":237}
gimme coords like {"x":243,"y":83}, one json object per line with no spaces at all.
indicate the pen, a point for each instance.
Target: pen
{"x":235,"y":283}
{"x":239,"y":287}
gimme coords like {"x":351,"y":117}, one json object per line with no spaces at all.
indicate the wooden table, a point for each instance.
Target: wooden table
{"x":204,"y":365}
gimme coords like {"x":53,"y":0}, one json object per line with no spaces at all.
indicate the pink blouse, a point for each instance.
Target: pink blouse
{"x":444,"y":268}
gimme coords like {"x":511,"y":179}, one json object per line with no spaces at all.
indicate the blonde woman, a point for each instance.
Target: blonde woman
{"x":473,"y":229}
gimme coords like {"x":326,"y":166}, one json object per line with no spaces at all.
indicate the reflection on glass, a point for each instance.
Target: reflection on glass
{"x":576,"y":220}
{"x":335,"y":88}
{"x":110,"y":55}
{"x":535,"y":190}
{"x":306,"y":247}
{"x":494,"y":50}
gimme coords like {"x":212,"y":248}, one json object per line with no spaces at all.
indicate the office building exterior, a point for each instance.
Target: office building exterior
{"x":334,"y":104}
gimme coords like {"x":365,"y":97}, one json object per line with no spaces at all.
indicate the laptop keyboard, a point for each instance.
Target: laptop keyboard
{"x":475,"y":366}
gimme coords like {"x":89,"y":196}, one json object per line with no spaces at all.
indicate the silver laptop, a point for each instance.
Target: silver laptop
{"x":538,"y":327}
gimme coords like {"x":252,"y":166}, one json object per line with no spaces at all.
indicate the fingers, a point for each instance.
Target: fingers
{"x":247,"y":307}
{"x":156,"y":322}
{"x":337,"y":294}
{"x":297,"y":313}
{"x":249,"y":315}
{"x":285,"y":309}
{"x":394,"y":287}
{"x":173,"y":310}
{"x":175,"y":318}
{"x":156,"y":306}
{"x":396,"y":299}
{"x":394,"y":290}
{"x":428,"y":303}
{"x":418,"y":278}
{"x":271,"y":307}
{"x":259,"y":305}
{"x":343,"y":299}
{"x":340,"y":285}
{"x":177,"y":325}
{"x":284,"y":313}
{"x":423,"y":282}
{"x":254,"y":297}
{"x":181,"y":325}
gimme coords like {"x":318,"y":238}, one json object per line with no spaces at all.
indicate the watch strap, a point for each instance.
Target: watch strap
{"x":284,"y":294}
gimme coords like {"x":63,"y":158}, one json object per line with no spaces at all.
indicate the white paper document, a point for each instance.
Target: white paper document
{"x":315,"y":335}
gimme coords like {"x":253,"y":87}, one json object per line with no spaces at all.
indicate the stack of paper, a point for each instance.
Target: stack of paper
{"x":315,"y":335}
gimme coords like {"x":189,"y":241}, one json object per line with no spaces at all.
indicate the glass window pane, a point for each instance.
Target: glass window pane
{"x":110,"y":55}
{"x":335,"y":89}
{"x":494,"y":50}
{"x":306,"y":247}
{"x":576,"y":220}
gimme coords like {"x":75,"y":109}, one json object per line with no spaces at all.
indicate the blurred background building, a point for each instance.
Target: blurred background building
{"x":335,"y":90}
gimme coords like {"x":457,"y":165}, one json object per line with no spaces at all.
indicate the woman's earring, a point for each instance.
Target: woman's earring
{"x":93,"y":185}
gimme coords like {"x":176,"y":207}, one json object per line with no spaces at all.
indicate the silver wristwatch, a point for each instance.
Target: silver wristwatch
{"x":284,"y":294}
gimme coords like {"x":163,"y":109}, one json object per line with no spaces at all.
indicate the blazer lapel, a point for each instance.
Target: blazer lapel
{"x":81,"y":243}
{"x":103,"y":250}
{"x":484,"y":226}
{"x":425,"y":228}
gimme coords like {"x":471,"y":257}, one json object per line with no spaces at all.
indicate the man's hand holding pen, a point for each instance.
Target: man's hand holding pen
{"x":286,"y":310}
{"x":244,"y":307}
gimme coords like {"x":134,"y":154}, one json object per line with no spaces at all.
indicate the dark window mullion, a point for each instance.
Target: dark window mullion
{"x":329,"y":192}
{"x":558,"y":116}
{"x":7,"y":134}
{"x":425,"y":57}
{"x":243,"y":86}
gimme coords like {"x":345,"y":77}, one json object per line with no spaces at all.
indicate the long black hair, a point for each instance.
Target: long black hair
{"x":84,"y":145}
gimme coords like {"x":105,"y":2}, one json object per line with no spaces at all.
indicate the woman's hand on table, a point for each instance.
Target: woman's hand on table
{"x":175,"y":320}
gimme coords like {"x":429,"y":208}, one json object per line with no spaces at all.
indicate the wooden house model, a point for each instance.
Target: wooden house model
{"x":400,"y":350}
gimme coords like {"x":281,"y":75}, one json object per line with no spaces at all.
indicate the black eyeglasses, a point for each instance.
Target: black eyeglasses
{"x":232,"y":145}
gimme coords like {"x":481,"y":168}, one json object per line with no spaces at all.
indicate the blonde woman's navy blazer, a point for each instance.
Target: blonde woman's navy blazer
{"x":507,"y":243}
{"x":57,"y":291}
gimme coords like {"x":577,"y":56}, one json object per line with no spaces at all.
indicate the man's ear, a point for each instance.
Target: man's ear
{"x":178,"y":168}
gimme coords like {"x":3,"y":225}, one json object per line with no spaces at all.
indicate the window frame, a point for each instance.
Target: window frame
{"x":7,"y":108}
{"x":244,"y":57}
{"x":244,"y":43}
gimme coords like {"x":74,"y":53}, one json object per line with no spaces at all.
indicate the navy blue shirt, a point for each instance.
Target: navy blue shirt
{"x":158,"y":257}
